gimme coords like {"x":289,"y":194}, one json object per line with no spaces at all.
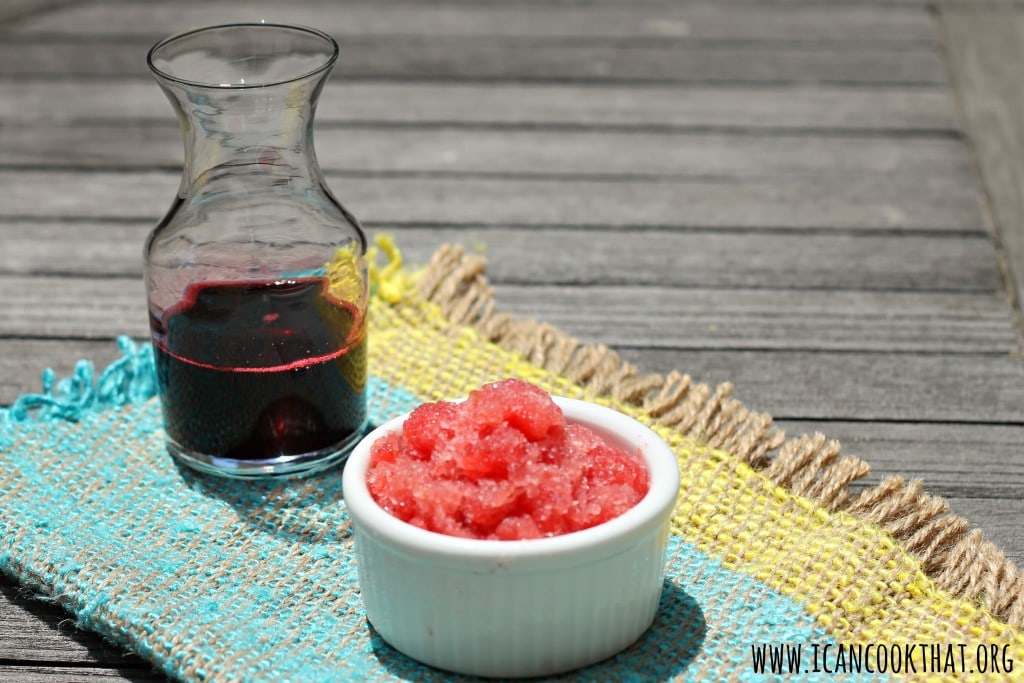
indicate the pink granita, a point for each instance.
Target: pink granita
{"x":503,"y":464}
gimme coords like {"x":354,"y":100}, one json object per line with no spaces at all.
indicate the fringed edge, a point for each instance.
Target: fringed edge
{"x":129,"y":379}
{"x":958,"y":559}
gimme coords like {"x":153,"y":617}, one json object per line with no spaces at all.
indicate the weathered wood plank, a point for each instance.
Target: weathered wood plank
{"x":984,"y":48}
{"x":21,"y":10}
{"x":691,"y":258}
{"x":12,"y":673}
{"x":32,"y":630}
{"x":858,"y":386}
{"x":702,"y":20}
{"x":24,"y":360}
{"x":942,"y":387}
{"x":653,"y":5}
{"x":702,"y":318}
{"x":967,"y":461}
{"x":871,"y":201}
{"x":39,"y":642}
{"x":653,"y":317}
{"x":487,"y":59}
{"x":999,"y":520}
{"x":525,"y":152}
{"x":87,"y":248}
{"x":561,"y":106}
{"x":88,"y":308}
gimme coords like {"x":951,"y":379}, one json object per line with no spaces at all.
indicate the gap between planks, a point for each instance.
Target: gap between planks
{"x":983,"y":48}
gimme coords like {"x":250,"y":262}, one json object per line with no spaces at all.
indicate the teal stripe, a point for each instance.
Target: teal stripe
{"x":385,"y":401}
{"x":258,"y":577}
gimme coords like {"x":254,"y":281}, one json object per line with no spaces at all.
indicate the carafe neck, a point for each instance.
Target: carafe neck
{"x":263,"y":133}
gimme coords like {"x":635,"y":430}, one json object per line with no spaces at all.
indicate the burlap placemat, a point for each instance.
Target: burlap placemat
{"x":771,"y":558}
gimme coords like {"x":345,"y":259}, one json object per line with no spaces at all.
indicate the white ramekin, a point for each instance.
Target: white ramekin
{"x":516,"y":608}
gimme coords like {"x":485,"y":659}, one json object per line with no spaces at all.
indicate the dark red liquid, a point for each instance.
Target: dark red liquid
{"x":257,"y":370}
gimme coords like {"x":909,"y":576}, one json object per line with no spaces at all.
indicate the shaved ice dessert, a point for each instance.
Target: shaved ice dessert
{"x":503,"y":464}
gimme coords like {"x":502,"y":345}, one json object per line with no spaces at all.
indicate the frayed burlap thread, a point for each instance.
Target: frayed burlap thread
{"x":959,"y":560}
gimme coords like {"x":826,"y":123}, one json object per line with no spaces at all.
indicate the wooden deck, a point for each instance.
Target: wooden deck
{"x":820,"y":202}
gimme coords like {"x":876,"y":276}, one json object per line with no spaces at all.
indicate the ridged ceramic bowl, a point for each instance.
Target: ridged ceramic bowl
{"x":516,"y":608}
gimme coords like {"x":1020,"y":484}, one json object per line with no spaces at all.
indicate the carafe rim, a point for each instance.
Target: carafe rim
{"x":330,"y":56}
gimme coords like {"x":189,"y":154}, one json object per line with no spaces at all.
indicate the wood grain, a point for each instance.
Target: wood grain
{"x":1001,"y":523}
{"x":788,"y":384}
{"x":360,"y":18}
{"x":866,"y":202}
{"x":956,"y":460}
{"x":23,"y":361}
{"x":649,"y":316}
{"x":34,"y":630}
{"x":939,"y":387}
{"x":475,"y":59}
{"x":559,"y":106}
{"x":632,"y":256}
{"x":768,"y":319}
{"x":984,"y":49}
{"x":37,"y":673}
{"x":21,"y":10}
{"x":592,"y":154}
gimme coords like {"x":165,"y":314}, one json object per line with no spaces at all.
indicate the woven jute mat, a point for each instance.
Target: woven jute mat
{"x":222,"y":580}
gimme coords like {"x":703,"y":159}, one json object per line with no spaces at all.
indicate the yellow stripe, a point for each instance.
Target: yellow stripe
{"x":852,"y":576}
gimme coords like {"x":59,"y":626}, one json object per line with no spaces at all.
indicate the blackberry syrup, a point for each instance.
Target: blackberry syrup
{"x":260,"y":370}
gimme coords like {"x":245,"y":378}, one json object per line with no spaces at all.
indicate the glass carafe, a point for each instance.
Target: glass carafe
{"x":256,"y":277}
